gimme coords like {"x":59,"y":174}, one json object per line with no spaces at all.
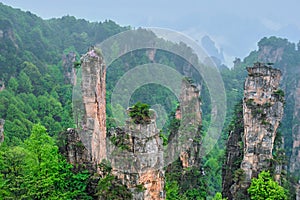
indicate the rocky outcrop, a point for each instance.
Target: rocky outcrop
{"x":7,"y":33}
{"x":298,"y":191}
{"x":2,"y":86}
{"x":270,"y":54}
{"x":185,"y":143}
{"x":74,"y":150}
{"x":151,"y":54}
{"x":68,"y":68}
{"x":183,"y":158}
{"x":295,"y":158}
{"x":262,"y":113}
{"x":136,"y":155}
{"x":234,"y":152}
{"x":2,"y":122}
{"x":93,"y":90}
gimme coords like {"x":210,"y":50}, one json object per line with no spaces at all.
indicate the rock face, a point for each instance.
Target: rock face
{"x":262,"y":113}
{"x":295,"y":158}
{"x":234,"y":152}
{"x":2,"y":86}
{"x":74,"y":150}
{"x":2,"y":122}
{"x":136,"y":155}
{"x":94,"y":110}
{"x":186,"y":142}
{"x":298,"y":191}
{"x":270,"y":54}
{"x":68,"y":67}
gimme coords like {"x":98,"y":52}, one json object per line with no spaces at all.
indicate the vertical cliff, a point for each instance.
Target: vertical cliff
{"x":183,"y":158}
{"x":136,"y":156}
{"x":68,"y":68}
{"x":185,"y":143}
{"x":94,"y":110}
{"x":2,"y":121}
{"x":295,"y":158}
{"x":234,"y":152}
{"x":74,"y":150}
{"x":262,"y":113}
{"x":298,"y":191}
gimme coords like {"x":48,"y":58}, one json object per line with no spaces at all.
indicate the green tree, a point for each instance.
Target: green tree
{"x":172,"y":190}
{"x":265,"y":188}
{"x":218,"y":196}
{"x":41,"y":163}
{"x":25,"y":85}
{"x":140,"y":113}
{"x":47,"y":175}
{"x":11,"y":173}
{"x":13,"y":84}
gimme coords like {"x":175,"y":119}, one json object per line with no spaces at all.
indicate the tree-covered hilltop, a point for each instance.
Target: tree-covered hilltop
{"x":31,"y":52}
{"x":36,"y":103}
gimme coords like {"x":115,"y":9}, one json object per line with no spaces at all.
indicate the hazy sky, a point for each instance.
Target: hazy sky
{"x":235,"y":25}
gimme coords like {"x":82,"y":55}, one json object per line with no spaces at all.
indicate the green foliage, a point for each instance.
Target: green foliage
{"x":35,"y":170}
{"x":280,"y":94}
{"x":275,"y":42}
{"x":172,"y":190}
{"x":239,"y":176}
{"x":265,"y":188}
{"x":111,"y":189}
{"x":36,"y":93}
{"x":121,"y":141}
{"x":164,"y":138}
{"x":140,"y":113}
{"x":218,"y":196}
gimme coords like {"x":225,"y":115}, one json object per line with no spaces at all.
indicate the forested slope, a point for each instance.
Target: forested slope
{"x":36,"y":103}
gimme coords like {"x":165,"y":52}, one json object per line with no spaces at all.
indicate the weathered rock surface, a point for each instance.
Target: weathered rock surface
{"x":185,"y":144}
{"x":136,"y":155}
{"x":94,"y":110}
{"x":298,"y":191}
{"x":262,"y":113}
{"x":263,"y":110}
{"x":68,"y":68}
{"x":2,"y":122}
{"x":270,"y":54}
{"x":2,"y":86}
{"x":74,"y":150}
{"x":234,"y":153}
{"x":295,"y":158}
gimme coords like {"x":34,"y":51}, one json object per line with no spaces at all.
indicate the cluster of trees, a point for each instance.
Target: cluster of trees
{"x":37,"y":104}
{"x":35,"y":170}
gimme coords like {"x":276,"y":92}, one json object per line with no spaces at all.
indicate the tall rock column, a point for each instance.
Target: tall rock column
{"x":186,"y":141}
{"x":93,"y":94}
{"x":136,"y":155}
{"x":262,"y":110}
{"x":234,"y":151}
{"x":295,"y":157}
